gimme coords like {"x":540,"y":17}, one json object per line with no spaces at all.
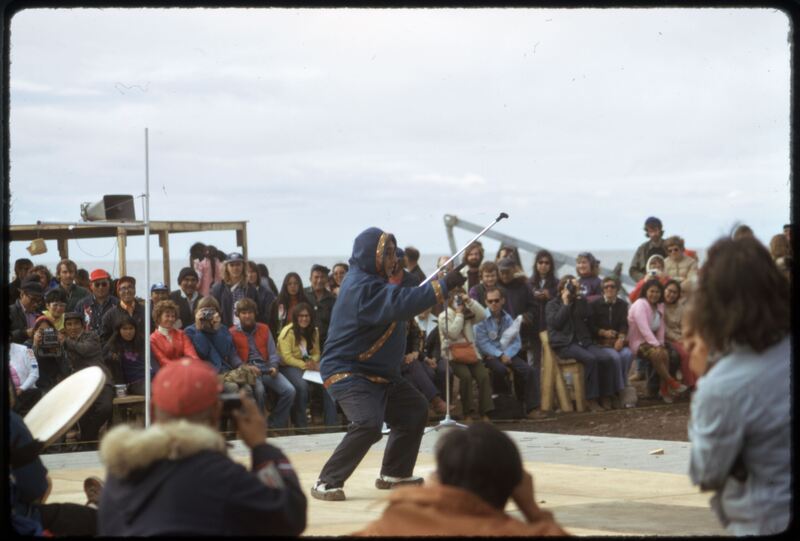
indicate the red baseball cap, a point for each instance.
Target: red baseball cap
{"x":185,"y":387}
{"x":99,"y":274}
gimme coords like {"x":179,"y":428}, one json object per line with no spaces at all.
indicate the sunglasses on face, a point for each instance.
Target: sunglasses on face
{"x":492,"y":301}
{"x":100,"y":284}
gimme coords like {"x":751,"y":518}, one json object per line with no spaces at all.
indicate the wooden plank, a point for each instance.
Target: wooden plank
{"x":241,"y":240}
{"x":122,"y":242}
{"x":163,"y":241}
{"x":548,"y":372}
{"x":63,"y":247}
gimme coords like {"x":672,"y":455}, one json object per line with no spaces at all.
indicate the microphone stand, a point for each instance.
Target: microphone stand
{"x":448,"y":421}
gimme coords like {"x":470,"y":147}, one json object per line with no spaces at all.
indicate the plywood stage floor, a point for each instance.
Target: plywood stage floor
{"x":593,"y":486}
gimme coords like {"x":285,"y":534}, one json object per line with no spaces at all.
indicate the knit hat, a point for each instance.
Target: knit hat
{"x":99,"y":274}
{"x":506,"y":264}
{"x":187,"y":271}
{"x":185,"y":387}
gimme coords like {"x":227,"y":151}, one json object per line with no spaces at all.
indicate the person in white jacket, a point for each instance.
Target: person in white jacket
{"x":24,"y":373}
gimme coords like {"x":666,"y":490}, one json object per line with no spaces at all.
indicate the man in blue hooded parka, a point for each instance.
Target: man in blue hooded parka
{"x":361,"y":365}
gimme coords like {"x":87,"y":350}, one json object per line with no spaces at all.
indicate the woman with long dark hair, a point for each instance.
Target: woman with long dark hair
{"x":124,"y":355}
{"x":291,"y":295}
{"x":266,"y":281}
{"x":544,"y":285}
{"x":299,"y":348}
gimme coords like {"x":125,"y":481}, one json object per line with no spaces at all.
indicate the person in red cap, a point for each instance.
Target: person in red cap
{"x":99,"y":303}
{"x":175,"y":478}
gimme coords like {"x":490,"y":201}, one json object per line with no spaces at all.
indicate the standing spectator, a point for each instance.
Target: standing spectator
{"x":610,"y":325}
{"x":569,"y":330}
{"x":544,"y":285}
{"x":512,"y":252}
{"x":291,"y":295}
{"x":255,"y":346}
{"x":22,"y":267}
{"x":477,"y":471}
{"x":463,"y":314}
{"x":489,"y":279}
{"x":588,"y":269}
{"x":186,"y":297}
{"x":128,"y":305}
{"x":264,"y":295}
{"x":268,"y":282}
{"x":50,"y":357}
{"x":206,"y":263}
{"x":654,"y":231}
{"x":95,"y":306}
{"x":299,"y":348}
{"x":24,"y":312}
{"x":740,"y":427}
{"x":646,"y":330}
{"x":175,"y":478}
{"x":337,"y":276}
{"x":655,"y":270}
{"x":673,"y":333}
{"x":56,"y":302}
{"x":232,"y":289}
{"x":473,"y":257}
{"x":124,"y":356}
{"x":678,"y":265}
{"x":412,"y":261}
{"x":489,"y":340}
{"x":42,"y":274}
{"x":167,"y":343}
{"x":82,"y":278}
{"x":781,"y":251}
{"x":321,"y":300}
{"x":83,"y":349}
{"x":65,"y":271}
{"x":158,"y":292}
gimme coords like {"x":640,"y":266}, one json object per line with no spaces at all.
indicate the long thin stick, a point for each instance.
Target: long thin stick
{"x":473,"y":239}
{"x":146,"y":295}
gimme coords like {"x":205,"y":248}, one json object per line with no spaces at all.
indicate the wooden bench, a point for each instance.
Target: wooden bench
{"x":553,"y":370}
{"x":128,"y":409}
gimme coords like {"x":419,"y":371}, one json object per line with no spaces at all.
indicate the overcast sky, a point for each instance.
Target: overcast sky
{"x":315,"y":124}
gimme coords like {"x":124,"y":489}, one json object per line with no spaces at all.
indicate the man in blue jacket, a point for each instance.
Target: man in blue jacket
{"x":361,"y":365}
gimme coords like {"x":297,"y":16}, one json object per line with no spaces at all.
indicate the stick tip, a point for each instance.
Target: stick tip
{"x":502,"y":215}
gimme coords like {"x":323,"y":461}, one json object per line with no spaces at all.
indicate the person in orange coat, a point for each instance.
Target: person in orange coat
{"x":468,"y":493}
{"x":167,"y":343}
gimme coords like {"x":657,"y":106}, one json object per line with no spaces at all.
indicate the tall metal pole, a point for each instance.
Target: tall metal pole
{"x":146,"y":280}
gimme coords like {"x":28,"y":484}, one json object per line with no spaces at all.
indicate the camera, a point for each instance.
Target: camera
{"x":230,"y":402}
{"x":207,"y":314}
{"x":458,"y":300}
{"x":49,"y":338}
{"x":570,"y":287}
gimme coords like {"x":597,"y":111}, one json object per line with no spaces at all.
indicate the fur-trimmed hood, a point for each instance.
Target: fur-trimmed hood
{"x":125,"y":450}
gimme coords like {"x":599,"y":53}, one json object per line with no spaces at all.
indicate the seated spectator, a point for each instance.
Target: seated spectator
{"x":654,"y":231}
{"x":499,"y":358}
{"x":167,"y":343}
{"x":266,"y":281}
{"x":124,"y":356}
{"x":419,"y":373}
{"x":186,"y":297}
{"x":467,"y":494}
{"x":463,"y":313}
{"x":291,"y":294}
{"x":489,"y":279}
{"x":128,"y":305}
{"x":232,"y":289}
{"x":655,"y":269}
{"x":45,"y":277}
{"x":428,"y":325}
{"x":22,"y":267}
{"x":213,"y":344}
{"x":255,"y":346}
{"x":412,"y":263}
{"x":646,"y":330}
{"x":299,"y":349}
{"x":175,"y":478}
{"x":781,"y":251}
{"x":740,"y":427}
{"x":207,"y":263}
{"x":25,"y":311}
{"x":610,"y":325}
{"x":569,"y":331}
{"x":679,"y":266}
{"x":96,"y":305}
{"x":82,"y":350}
{"x":56,"y":302}
{"x":158,"y":292}
{"x":673,"y":333}
{"x":321,"y":300}
{"x":520,"y":302}
{"x":473,"y":257}
{"x":65,"y":272}
{"x":588,"y":269}
{"x":337,"y":277}
{"x":49,"y":352}
{"x":264,"y":295}
{"x":543,"y":284}
{"x":24,"y":372}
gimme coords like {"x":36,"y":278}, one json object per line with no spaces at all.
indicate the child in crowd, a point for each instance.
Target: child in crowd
{"x":124,"y":355}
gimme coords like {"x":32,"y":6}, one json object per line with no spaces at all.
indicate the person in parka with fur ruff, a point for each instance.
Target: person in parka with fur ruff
{"x":174,"y":478}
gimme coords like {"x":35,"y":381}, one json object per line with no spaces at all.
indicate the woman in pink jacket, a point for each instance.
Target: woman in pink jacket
{"x":167,"y":343}
{"x":646,"y":328}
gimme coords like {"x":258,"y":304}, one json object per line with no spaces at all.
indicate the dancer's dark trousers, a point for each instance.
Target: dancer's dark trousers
{"x":367,"y":405}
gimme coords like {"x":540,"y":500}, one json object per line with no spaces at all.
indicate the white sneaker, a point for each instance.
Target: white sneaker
{"x":321,"y":492}
{"x":387,"y":481}
{"x":385,"y":429}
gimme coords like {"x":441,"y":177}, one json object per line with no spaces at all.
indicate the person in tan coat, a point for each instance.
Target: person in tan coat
{"x":468,"y":493}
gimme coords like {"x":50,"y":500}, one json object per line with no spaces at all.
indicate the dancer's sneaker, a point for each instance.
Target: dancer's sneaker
{"x":676,"y":387}
{"x":387,"y":481}
{"x":321,"y":491}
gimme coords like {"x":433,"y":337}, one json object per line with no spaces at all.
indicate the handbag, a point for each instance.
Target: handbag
{"x":463,"y":353}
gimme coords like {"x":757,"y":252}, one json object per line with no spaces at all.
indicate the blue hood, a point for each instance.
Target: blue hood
{"x":368,"y":250}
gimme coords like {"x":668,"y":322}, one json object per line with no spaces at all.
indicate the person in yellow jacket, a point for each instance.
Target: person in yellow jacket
{"x":298,"y":345}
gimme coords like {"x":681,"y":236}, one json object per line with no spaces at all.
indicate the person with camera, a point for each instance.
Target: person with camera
{"x":570,"y":332}
{"x":175,"y":478}
{"x":361,"y":365}
{"x":47,"y":345}
{"x":25,"y":311}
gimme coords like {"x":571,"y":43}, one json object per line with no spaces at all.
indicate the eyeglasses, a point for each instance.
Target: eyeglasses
{"x":492,"y":301}
{"x":100,"y":284}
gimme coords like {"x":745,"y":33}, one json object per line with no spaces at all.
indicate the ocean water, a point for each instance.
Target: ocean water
{"x":280,"y":266}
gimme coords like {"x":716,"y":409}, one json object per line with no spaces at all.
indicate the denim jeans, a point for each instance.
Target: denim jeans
{"x":284,"y":390}
{"x":524,"y":380}
{"x":622,"y":361}
{"x":298,"y":412}
{"x":367,"y":405}
{"x":598,"y":368}
{"x":421,"y":376}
